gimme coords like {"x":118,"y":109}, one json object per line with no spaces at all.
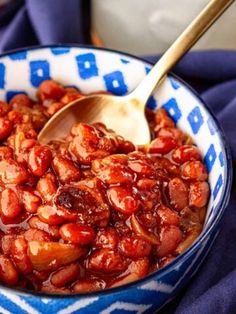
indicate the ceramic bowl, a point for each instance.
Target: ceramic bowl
{"x":91,"y":70}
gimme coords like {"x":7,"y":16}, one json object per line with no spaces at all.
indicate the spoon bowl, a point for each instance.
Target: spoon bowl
{"x":125,"y":115}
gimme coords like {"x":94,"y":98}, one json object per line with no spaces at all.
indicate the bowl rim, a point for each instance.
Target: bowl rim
{"x":221,"y":207}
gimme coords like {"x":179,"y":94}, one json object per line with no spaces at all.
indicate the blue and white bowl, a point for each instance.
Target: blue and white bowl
{"x":91,"y":70}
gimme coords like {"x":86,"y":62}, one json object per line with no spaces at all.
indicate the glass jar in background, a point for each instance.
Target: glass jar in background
{"x":149,"y":27}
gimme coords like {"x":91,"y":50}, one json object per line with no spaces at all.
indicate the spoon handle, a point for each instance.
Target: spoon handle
{"x":181,"y":45}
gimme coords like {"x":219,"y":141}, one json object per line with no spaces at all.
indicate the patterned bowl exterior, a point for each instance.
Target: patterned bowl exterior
{"x":98,"y":69}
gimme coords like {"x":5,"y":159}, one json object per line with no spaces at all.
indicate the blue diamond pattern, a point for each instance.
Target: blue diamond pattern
{"x":125,"y":61}
{"x":221,"y":159}
{"x":211,"y":126}
{"x":174,"y":83}
{"x":115,"y":83}
{"x":12,"y":93}
{"x":39,"y":71}
{"x":217,"y":187}
{"x":18,"y":55}
{"x":60,"y":50}
{"x":172,"y":107}
{"x":87,"y":65}
{"x":210,"y":157}
{"x":2,"y":75}
{"x":147,"y":70}
{"x":152,"y":104}
{"x":195,"y":119}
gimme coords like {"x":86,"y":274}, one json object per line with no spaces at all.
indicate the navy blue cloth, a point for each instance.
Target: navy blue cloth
{"x":34,"y":22}
{"x":211,"y":73}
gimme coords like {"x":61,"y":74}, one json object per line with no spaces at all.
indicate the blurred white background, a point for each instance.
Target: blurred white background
{"x":149,"y":26}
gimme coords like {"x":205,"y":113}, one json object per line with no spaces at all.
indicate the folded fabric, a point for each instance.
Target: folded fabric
{"x":211,"y":73}
{"x":33,"y":22}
